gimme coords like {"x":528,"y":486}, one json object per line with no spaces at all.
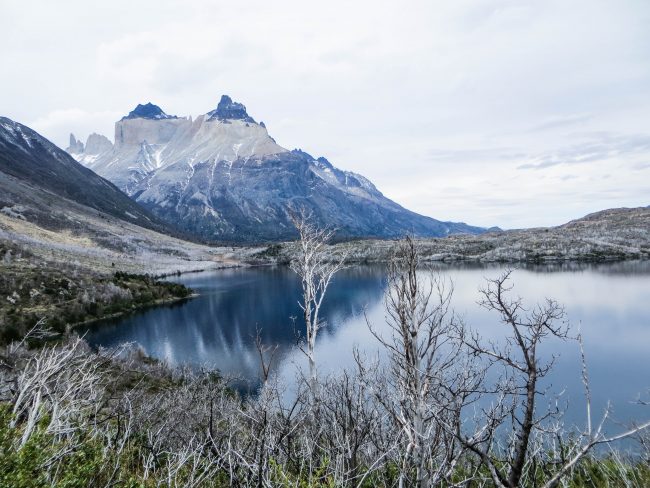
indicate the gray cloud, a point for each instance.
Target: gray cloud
{"x":602,"y":146}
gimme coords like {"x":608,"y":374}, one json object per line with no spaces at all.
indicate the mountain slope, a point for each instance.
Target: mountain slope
{"x":223,"y":177}
{"x":57,"y":214}
{"x":36,"y":162}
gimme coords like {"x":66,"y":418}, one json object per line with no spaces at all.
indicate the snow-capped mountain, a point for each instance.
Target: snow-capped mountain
{"x":223,"y":178}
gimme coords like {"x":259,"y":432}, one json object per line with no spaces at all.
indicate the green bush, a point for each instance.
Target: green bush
{"x":26,"y":467}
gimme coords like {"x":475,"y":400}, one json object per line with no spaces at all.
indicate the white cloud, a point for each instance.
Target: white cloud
{"x":438,"y":103}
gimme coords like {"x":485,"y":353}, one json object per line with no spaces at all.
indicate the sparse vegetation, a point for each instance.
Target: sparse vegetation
{"x":65,"y":295}
{"x":68,"y":264}
{"x":610,"y":235}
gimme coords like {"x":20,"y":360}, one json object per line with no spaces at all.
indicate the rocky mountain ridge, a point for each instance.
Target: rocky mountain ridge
{"x":222,"y":177}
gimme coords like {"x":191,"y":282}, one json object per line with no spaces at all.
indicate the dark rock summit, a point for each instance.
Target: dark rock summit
{"x":229,"y":110}
{"x":148,"y":111}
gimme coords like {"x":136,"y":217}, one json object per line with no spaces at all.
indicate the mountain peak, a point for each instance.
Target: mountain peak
{"x":148,"y":111}
{"x":227,"y":109}
{"x":223,"y":178}
{"x":76,"y":146}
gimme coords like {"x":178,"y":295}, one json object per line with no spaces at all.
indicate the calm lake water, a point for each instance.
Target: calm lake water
{"x":609,"y":303}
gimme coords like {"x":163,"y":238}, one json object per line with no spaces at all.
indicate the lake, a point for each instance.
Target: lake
{"x":609,"y":303}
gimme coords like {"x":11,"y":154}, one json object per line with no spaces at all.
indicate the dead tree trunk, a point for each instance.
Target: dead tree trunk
{"x":316,"y":265}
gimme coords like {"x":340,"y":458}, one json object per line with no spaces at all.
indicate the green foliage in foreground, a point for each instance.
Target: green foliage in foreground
{"x":39,"y":463}
{"x":92,"y":462}
{"x":29,"y":466}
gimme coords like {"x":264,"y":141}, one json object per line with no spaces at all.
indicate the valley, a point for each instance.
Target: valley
{"x":82,"y":291}
{"x":66,"y":234}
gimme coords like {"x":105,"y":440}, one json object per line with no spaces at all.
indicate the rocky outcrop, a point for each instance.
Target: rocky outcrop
{"x":31,"y":165}
{"x":76,"y":146}
{"x":229,"y":110}
{"x":98,"y":144}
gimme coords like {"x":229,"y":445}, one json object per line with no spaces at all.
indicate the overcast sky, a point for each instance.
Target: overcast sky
{"x":509,"y":113}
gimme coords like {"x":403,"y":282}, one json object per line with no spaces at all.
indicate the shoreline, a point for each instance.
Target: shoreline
{"x":202,"y":270}
{"x":360,"y":258}
{"x":134,"y":309}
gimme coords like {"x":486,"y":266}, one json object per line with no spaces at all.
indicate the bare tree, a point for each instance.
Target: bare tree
{"x":259,"y":410}
{"x":419,"y":390}
{"x":351,"y":417}
{"x":316,"y":264}
{"x":518,"y":394}
{"x":61,"y":382}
